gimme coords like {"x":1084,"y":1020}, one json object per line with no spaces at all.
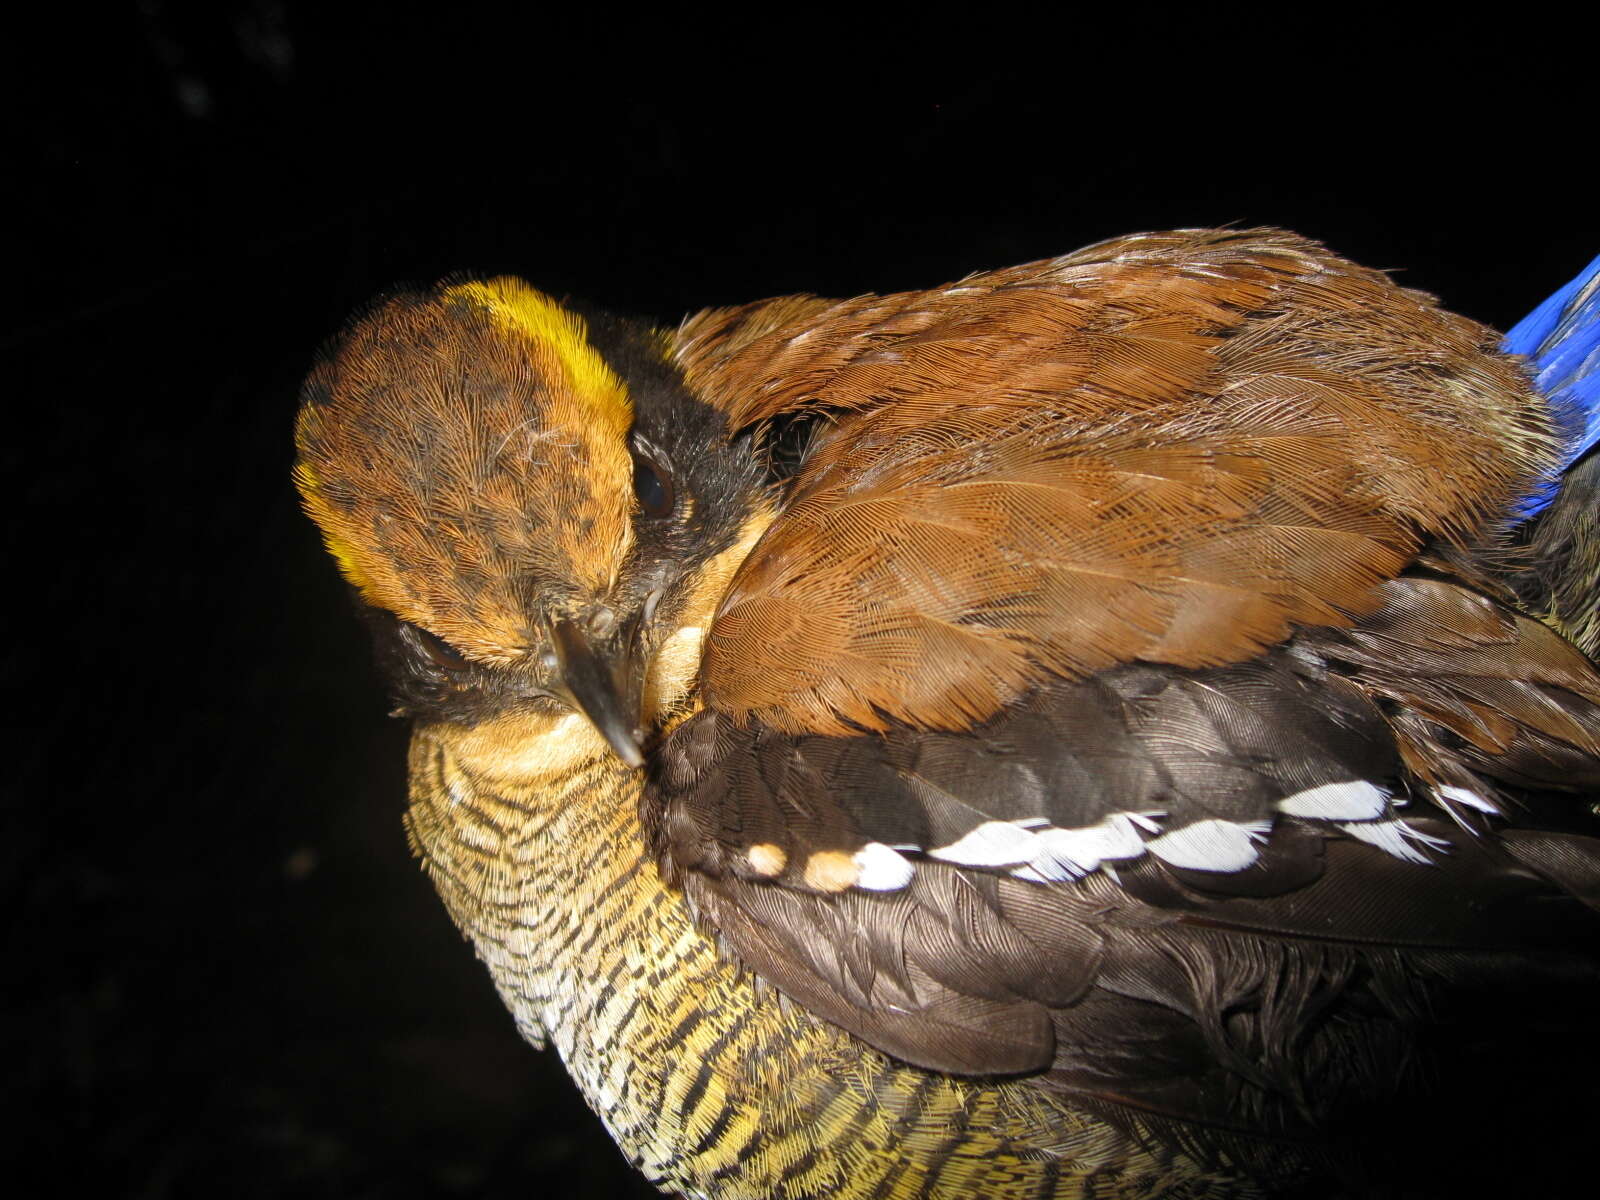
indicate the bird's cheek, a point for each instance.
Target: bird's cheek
{"x":686,"y":614}
{"x":672,"y":671}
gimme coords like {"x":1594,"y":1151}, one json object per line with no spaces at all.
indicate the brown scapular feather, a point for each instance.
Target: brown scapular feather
{"x":1170,"y":447}
{"x":1473,"y":687}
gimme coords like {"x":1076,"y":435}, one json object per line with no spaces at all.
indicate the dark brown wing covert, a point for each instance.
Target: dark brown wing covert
{"x":1273,"y":898}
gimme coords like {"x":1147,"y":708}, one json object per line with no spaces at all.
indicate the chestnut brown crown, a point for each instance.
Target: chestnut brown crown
{"x":519,"y":488}
{"x":465,"y":451}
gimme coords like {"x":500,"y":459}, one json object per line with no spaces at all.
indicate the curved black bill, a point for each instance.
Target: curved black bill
{"x":597,"y":691}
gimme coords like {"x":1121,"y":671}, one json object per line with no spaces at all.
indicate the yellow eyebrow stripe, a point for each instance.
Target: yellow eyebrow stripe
{"x":517,"y":307}
{"x":327,"y":520}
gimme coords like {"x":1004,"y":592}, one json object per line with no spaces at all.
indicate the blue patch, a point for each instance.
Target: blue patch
{"x":1561,"y":339}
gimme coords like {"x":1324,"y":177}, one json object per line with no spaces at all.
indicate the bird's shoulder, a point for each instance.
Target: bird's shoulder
{"x":1171,"y":448}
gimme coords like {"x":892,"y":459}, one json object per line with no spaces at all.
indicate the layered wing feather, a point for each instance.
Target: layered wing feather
{"x":1249,"y":898}
{"x":1168,"y":448}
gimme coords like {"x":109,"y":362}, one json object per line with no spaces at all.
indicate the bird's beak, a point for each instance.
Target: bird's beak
{"x":609,"y":695}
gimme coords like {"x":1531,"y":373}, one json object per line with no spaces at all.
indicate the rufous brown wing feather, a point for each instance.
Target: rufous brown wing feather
{"x":1170,"y":448}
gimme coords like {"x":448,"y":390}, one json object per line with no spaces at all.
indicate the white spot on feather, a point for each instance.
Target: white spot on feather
{"x":992,"y":844}
{"x":1471,"y":799}
{"x":1212,"y":845}
{"x":1355,"y":800}
{"x":883,"y":868}
{"x":1046,"y":854}
{"x":1072,"y":853}
{"x":1396,"y":838}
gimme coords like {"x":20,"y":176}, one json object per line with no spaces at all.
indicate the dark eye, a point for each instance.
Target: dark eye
{"x":652,"y":485}
{"x":440,"y":652}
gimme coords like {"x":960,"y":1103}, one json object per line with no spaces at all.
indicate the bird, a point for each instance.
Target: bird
{"x":1123,"y":725}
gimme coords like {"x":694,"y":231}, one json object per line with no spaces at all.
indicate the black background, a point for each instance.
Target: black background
{"x":226,"y":974}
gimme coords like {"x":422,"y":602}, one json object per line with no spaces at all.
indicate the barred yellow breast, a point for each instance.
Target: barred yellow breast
{"x":713,"y":1085}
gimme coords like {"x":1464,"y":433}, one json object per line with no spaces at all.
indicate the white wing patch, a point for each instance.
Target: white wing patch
{"x":1396,"y":838}
{"x":992,"y":844}
{"x":882,"y":868}
{"x":1033,"y":849}
{"x":1072,"y":853}
{"x":1356,"y":800}
{"x":1471,"y":799}
{"x":1211,"y":845}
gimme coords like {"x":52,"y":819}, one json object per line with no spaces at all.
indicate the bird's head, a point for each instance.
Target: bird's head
{"x":537,"y":515}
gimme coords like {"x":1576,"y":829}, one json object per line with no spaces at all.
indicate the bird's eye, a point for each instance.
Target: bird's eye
{"x":652,"y":485}
{"x":440,"y":652}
